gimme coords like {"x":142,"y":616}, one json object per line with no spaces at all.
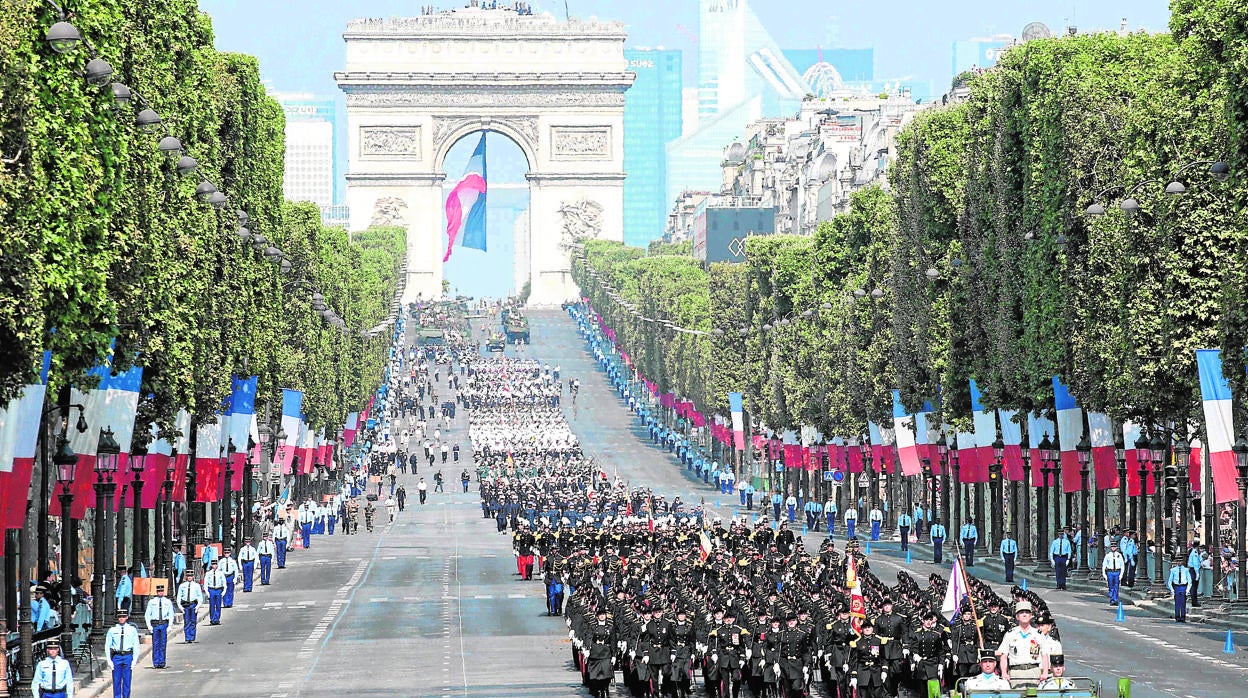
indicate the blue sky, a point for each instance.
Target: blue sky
{"x":299,"y":44}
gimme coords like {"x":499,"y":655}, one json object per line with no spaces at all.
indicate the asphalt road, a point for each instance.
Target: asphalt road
{"x":431,"y":605}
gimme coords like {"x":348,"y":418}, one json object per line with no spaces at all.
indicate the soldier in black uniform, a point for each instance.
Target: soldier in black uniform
{"x":929,"y":651}
{"x":892,"y":629}
{"x":653,"y":650}
{"x":836,"y":653}
{"x":680,"y":668}
{"x":600,"y":646}
{"x":965,"y":645}
{"x":995,"y":624}
{"x":868,"y":670}
{"x":728,"y":648}
{"x":794,"y":659}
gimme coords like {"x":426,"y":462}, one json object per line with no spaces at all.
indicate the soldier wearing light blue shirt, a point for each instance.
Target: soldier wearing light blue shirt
{"x":918,"y":521}
{"x":120,"y":645}
{"x":904,"y":523}
{"x":1178,"y":582}
{"x":776,"y":501}
{"x":1059,"y":555}
{"x":1009,"y":551}
{"x":1130,"y":550}
{"x":747,"y":494}
{"x":938,"y":541}
{"x":970,"y":538}
{"x":125,"y":588}
{"x":53,"y":677}
{"x":40,"y":611}
{"x":1194,"y":565}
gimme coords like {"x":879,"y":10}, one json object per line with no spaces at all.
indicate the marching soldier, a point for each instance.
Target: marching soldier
{"x":929,"y":650}
{"x":158,"y":616}
{"x":120,"y":644}
{"x":728,"y":648}
{"x":680,"y":668}
{"x":265,"y":553}
{"x":600,"y":641}
{"x":214,"y":581}
{"x":190,"y":596}
{"x":281,"y":539}
{"x":53,"y":677}
{"x":937,"y":534}
{"x":229,"y":567}
{"x":247,"y":556}
{"x":868,"y":667}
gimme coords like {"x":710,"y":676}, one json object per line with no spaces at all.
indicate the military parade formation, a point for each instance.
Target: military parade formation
{"x":665,"y":597}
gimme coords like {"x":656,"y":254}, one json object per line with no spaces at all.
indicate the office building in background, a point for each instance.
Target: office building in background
{"x":310,"y":171}
{"x":652,"y":117}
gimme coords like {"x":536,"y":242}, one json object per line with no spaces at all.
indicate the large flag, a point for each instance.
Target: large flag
{"x":111,"y":405}
{"x":857,"y":602}
{"x":704,"y":546}
{"x":349,"y":429}
{"x":970,"y":468}
{"x":292,"y":409}
{"x":955,"y":592}
{"x":307,"y":448}
{"x":1216,"y":396}
{"x":907,"y":430}
{"x":1012,"y":437}
{"x":737,"y":406}
{"x":1038,"y":427}
{"x":985,"y":422}
{"x":465,"y":207}
{"x":209,"y":453}
{"x":1070,"y":432}
{"x":19,"y":437}
{"x":1104,"y":461}
{"x":1130,"y":434}
{"x":164,"y":451}
{"x":242,"y":414}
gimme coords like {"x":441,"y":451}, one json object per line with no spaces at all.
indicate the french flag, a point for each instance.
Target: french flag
{"x":351,"y":426}
{"x":1012,"y":437}
{"x":737,"y":406}
{"x":111,"y":405}
{"x":465,"y":207}
{"x":292,"y":424}
{"x":969,"y":467}
{"x":165,"y":451}
{"x":307,"y":447}
{"x":910,"y":431}
{"x":1215,"y":394}
{"x":1038,"y":426}
{"x":209,"y":446}
{"x":1105,"y":463}
{"x":1070,"y":432}
{"x":985,"y":423}
{"x":19,"y":436}
{"x":242,"y":414}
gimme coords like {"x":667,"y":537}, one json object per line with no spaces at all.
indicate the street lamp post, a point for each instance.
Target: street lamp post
{"x":166,"y":533}
{"x":138,"y":463}
{"x":929,"y":498}
{"x":1182,"y":454}
{"x":227,"y":495}
{"x":66,"y":461}
{"x":955,"y":523}
{"x":249,"y":469}
{"x":1158,"y":457}
{"x":1143,"y":456}
{"x":1120,"y":455}
{"x":942,"y":450}
{"x":1028,"y":554}
{"x":1083,"y":451}
{"x":1042,"y":506}
{"x":106,"y":454}
{"x":1241,"y":520}
{"x":1055,"y":462}
{"x":995,"y":492}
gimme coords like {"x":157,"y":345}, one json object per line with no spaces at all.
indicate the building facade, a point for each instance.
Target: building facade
{"x":652,"y":117}
{"x":310,"y":174}
{"x":980,"y":53}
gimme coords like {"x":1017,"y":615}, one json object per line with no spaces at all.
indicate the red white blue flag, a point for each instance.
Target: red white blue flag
{"x":19,"y":435}
{"x":1070,"y":432}
{"x":465,"y":207}
{"x":1215,"y":394}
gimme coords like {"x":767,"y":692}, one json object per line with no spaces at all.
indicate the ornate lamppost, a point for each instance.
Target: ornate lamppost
{"x":1143,"y":457}
{"x":1182,"y":456}
{"x":1158,"y":458}
{"x":942,"y":450}
{"x":1028,"y":554}
{"x":166,"y":530}
{"x":1241,"y":520}
{"x":1042,"y":505}
{"x":106,"y":453}
{"x":1120,"y":456}
{"x":955,"y":523}
{"x":994,"y":482}
{"x":1083,"y":451}
{"x":249,"y":469}
{"x":227,"y":496}
{"x":66,"y":461}
{"x":138,"y":463}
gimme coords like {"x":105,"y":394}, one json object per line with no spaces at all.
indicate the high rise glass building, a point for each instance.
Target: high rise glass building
{"x":743,"y":76}
{"x":652,"y":117}
{"x":310,"y":172}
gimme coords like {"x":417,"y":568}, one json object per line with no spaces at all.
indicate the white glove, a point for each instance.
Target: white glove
{"x":645,"y":659}
{"x":748,"y":653}
{"x":571,"y":635}
{"x":632,"y":654}
{"x":673,"y":658}
{"x":853,"y":683}
{"x":776,"y":668}
{"x":905,"y":652}
{"x":844,"y":667}
{"x":883,"y":675}
{"x":714,"y":659}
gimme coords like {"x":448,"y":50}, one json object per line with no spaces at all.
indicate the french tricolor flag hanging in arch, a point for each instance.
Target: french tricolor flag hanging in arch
{"x":113,"y":405}
{"x":1070,"y":432}
{"x":465,"y":207}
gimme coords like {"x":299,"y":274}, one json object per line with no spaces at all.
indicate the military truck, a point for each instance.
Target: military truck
{"x":516,"y":327}
{"x":496,"y":342}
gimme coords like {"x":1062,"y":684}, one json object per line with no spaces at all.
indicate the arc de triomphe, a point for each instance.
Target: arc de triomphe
{"x":414,"y":86}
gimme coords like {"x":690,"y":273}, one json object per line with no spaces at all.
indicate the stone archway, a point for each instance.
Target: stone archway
{"x":415,"y":86}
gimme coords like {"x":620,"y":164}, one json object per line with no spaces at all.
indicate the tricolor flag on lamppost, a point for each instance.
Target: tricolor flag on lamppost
{"x":1069,"y":432}
{"x":292,"y":408}
{"x":113,"y":405}
{"x":737,"y":406}
{"x":465,"y":207}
